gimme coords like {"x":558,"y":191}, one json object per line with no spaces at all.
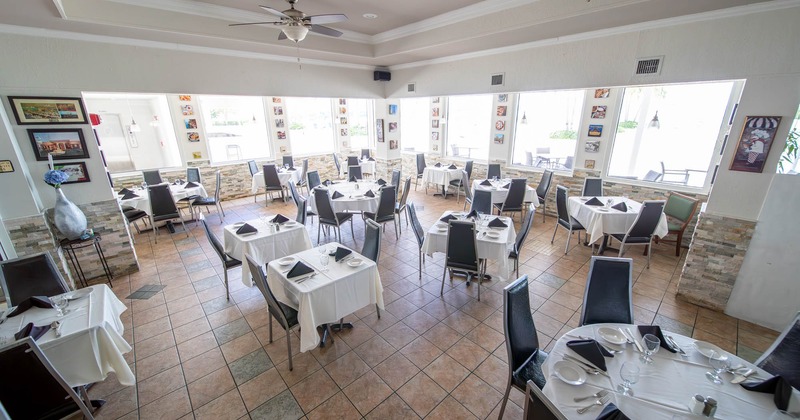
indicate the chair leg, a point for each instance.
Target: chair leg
{"x":544,"y":209}
{"x":678,"y":244}
{"x":352,"y":232}
{"x":319,"y":229}
{"x":378,"y":310}
{"x":420,"y":265}
{"x":270,"y":326}
{"x":289,"y":348}
{"x":569,"y":236}
{"x":227,"y":290}
{"x":649,"y":252}
{"x":505,"y":400}
{"x":441,"y":292}
{"x":396,"y":235}
{"x":554,"y":234}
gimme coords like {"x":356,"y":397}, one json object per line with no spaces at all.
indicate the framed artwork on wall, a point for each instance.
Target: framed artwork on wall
{"x":602,"y":93}
{"x":185,"y":98}
{"x":76,"y":170}
{"x":379,"y":130}
{"x":392,"y":109}
{"x":592,"y":146}
{"x":595,"y":130}
{"x":392,"y":127}
{"x":63,"y":144}
{"x":599,"y":112}
{"x":29,"y":110}
{"x":752,"y":150}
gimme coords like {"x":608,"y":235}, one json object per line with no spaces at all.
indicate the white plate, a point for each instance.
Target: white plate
{"x":612,"y":335}
{"x":355,"y":262}
{"x":569,"y":372}
{"x":493,"y":235}
{"x":706,"y":348}
{"x":238,"y":225}
{"x":78,"y":294}
{"x":441,"y":229}
{"x":602,"y":209}
{"x":285,"y":261}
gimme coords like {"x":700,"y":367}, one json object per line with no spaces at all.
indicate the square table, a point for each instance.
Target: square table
{"x":600,"y":220}
{"x":440,"y":175}
{"x":284,"y":176}
{"x":488,"y":248}
{"x":269,"y":243}
{"x":143,"y":201}
{"x":354,"y":199}
{"x":499,"y":193}
{"x":91,"y":344}
{"x":367,"y":167}
{"x":328,"y":296}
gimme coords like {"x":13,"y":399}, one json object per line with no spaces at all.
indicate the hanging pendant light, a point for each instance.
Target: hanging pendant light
{"x":524,"y":118}
{"x":133,"y":127}
{"x":655,"y":123}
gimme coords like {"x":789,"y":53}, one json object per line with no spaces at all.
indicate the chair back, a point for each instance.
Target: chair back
{"x":365,"y":153}
{"x":193,"y":175}
{"x":35,"y":390}
{"x":652,"y":176}
{"x":218,"y":176}
{"x":608,"y":297}
{"x":152,"y":177}
{"x":313,"y":180}
{"x":681,"y":207}
{"x":302,"y":210}
{"x":419,"y":233}
{"x":468,"y":168}
{"x":420,"y":163}
{"x":352,"y":161}
{"x":404,"y":197}
{"x":516,"y":194}
{"x":287,"y":160}
{"x":462,"y":250}
{"x":482,"y":202}
{"x":303,"y":172}
{"x":466,"y":184}
{"x":214,"y":241}
{"x":569,"y":162}
{"x":524,"y":230}
{"x":396,"y":178}
{"x":35,"y":275}
{"x":647,"y":220}
{"x":295,"y":194}
{"x":528,"y":158}
{"x":372,"y":240}
{"x":271,"y":178}
{"x":538,"y":406}
{"x":494,"y":171}
{"x":251,"y":164}
{"x":521,"y":338}
{"x":263,"y":286}
{"x":354,"y":171}
{"x":592,"y":187}
{"x":544,"y":184}
{"x":562,"y":194}
{"x":162,"y":204}
{"x":386,"y":203}
{"x":336,"y":162}
{"x":782,"y":356}
{"x":454,"y":149}
{"x":325,"y":211}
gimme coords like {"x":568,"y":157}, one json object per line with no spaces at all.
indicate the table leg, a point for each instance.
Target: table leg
{"x":335,"y":327}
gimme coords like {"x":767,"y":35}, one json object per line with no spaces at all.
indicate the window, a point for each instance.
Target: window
{"x":790,"y":159}
{"x":235,"y":127}
{"x":469,"y":126}
{"x":546,"y":130}
{"x":310,"y":125}
{"x":669,"y":134}
{"x":359,"y":113}
{"x":415,"y":120}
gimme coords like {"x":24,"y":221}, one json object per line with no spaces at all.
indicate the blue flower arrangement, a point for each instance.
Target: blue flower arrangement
{"x":55,"y":178}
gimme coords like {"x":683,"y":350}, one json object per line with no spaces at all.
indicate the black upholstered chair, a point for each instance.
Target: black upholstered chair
{"x":272,"y":181}
{"x":468,"y":167}
{"x":297,"y":197}
{"x":419,"y":233}
{"x":193,"y":175}
{"x":493,"y":171}
{"x":132,"y":215}
{"x":608,"y":297}
{"x":395,"y":178}
{"x":313,"y":180}
{"x":338,"y":165}
{"x":302,"y":210}
{"x":354,"y":172}
{"x":386,"y":208}
{"x":420,"y":169}
{"x":152,"y":177}
{"x":401,"y":205}
{"x":538,"y":406}
{"x":592,"y":187}
{"x":482,"y":202}
{"x":35,"y":275}
{"x":212,"y":201}
{"x":515,"y":252}
{"x":287,"y":160}
{"x":643,"y":228}
{"x":462,"y":253}
{"x":352,"y":161}
{"x":365,"y":153}
{"x":467,"y":191}
{"x":542,"y":189}
{"x":252,"y":166}
{"x":228,"y":262}
{"x":564,"y":219}
{"x":328,"y":217}
{"x":372,"y":240}
{"x":459,"y":183}
{"x":284,"y":314}
{"x":303,"y":171}
{"x":162,"y":207}
{"x":525,"y":358}
{"x":783,"y":356}
{"x":514,"y":198}
{"x":35,"y":389}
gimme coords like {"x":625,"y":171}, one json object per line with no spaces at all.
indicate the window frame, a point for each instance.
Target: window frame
{"x":399,"y":122}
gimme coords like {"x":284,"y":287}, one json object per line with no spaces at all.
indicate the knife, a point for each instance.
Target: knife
{"x":675,"y":345}
{"x":741,"y":377}
{"x":4,"y":316}
{"x":635,"y":342}
{"x":585,"y":364}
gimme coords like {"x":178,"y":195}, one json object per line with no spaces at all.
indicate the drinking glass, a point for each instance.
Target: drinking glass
{"x":783,"y":415}
{"x":719,"y":362}
{"x":324,"y":259}
{"x":286,"y":166}
{"x":629,"y":373}
{"x":609,"y":202}
{"x":60,"y":302}
{"x":651,"y":346}
{"x":322,"y":249}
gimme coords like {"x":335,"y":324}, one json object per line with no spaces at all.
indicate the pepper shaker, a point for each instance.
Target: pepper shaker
{"x":710,"y":407}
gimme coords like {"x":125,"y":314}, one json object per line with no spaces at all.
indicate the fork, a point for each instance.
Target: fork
{"x":607,"y":348}
{"x":601,"y":401}
{"x":599,"y":394}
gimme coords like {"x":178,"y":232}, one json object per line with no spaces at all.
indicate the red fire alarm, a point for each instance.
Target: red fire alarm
{"x":95,"y":119}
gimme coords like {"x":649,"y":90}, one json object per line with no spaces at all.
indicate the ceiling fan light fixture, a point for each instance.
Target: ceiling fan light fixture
{"x":295,"y":32}
{"x":370,"y":16}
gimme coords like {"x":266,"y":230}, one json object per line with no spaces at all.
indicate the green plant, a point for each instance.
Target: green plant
{"x":623,"y":125}
{"x":564,"y":134}
{"x":789,"y":155}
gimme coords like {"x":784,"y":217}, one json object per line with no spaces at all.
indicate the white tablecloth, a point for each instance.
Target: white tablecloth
{"x":91,"y":345}
{"x":440,"y":176}
{"x":284,"y":176}
{"x":265,"y":245}
{"x":367,"y":166}
{"x":143,"y":201}
{"x":499,"y":194}
{"x":599,"y":220}
{"x":329,"y":296}
{"x":488,"y":248}
{"x":665,"y":387}
{"x":353,"y":200}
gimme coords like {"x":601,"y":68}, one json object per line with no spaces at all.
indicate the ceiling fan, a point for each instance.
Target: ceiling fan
{"x":295,"y":24}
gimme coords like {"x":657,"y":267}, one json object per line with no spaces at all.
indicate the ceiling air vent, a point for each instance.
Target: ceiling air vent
{"x":649,"y":65}
{"x":412,"y":87}
{"x":498,"y":79}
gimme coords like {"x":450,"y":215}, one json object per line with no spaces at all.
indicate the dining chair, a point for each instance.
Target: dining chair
{"x":462,"y":253}
{"x":542,"y":189}
{"x":680,"y":209}
{"x":569,"y":162}
{"x":608,"y":297}
{"x":354,"y":173}
{"x":396,"y":178}
{"x":401,"y":205}
{"x":592,"y":187}
{"x":420,"y":170}
{"x":468,"y":167}
{"x":326,"y":216}
{"x":516,"y":250}
{"x":212,"y":201}
{"x":193,"y":175}
{"x":681,"y":176}
{"x":652,"y":176}
{"x":782,"y":357}
{"x":252,"y":166}
{"x":482,"y":202}
{"x":493,"y":171}
{"x":287,"y":160}
{"x":34,"y":275}
{"x":152,"y":177}
{"x":516,"y":195}
{"x":228,"y":262}
{"x":544,"y":160}
{"x":564,"y":219}
{"x":365,"y":153}
{"x":528,"y":158}
{"x":459,"y":183}
{"x":163,"y":207}
{"x":643,"y":228}
{"x":296,"y":196}
{"x":284,"y":314}
{"x":386,"y":209}
{"x":272,"y":182}
{"x":338,"y":165}
{"x":467,"y":191}
{"x":352,"y":161}
{"x":525,"y":358}
{"x":35,"y":389}
{"x":313,"y":180}
{"x":132,"y":215}
{"x":538,"y":406}
{"x":419,"y":233}
{"x":302,"y":210}
{"x":303,"y":171}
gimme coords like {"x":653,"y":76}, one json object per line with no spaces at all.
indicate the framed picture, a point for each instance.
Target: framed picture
{"x":343,"y":132}
{"x":592,"y":146}
{"x":279,"y":123}
{"x":342,"y":101}
{"x":29,"y":110}
{"x":185,"y":98}
{"x":501,"y":111}
{"x":193,"y":136}
{"x":500,"y":125}
{"x":392,"y":127}
{"x":392,"y":144}
{"x":63,"y":144}
{"x":599,"y":111}
{"x":499,"y":138}
{"x":187,"y":110}
{"x":190,"y":123}
{"x":379,"y":130}
{"x":754,"y":144}
{"x":588,"y":164}
{"x":281,"y":135}
{"x":343,"y":120}
{"x":435,"y":136}
{"x":342,"y":110}
{"x":435,"y":99}
{"x":601,"y":93}
{"x":276,"y":100}
{"x":503,"y":97}
{"x":392,"y":109}
{"x":595,"y":130}
{"x":434,"y":123}
{"x":197,"y":155}
{"x":76,"y":170}
{"x":277,"y":110}
{"x":435,"y":112}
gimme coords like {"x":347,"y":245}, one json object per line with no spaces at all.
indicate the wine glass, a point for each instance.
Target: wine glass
{"x":286,"y":166}
{"x":609,"y":202}
{"x":629,"y":373}
{"x":324,"y":259}
{"x":322,"y":249}
{"x":651,"y":345}
{"x":60,"y":302}
{"x":719,"y":362}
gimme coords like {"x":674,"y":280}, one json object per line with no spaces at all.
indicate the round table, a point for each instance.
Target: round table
{"x":353,"y":200}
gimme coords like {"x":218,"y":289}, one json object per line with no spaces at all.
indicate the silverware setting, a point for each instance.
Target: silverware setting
{"x":675,"y":345}
{"x":588,"y":367}
{"x":605,"y":347}
{"x":599,"y":394}
{"x":601,"y":401}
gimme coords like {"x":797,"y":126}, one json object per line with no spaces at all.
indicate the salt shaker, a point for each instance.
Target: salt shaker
{"x":698,"y":404}
{"x":710,"y":407}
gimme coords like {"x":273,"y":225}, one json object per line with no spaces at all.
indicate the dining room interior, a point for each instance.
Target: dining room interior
{"x":476,"y":209}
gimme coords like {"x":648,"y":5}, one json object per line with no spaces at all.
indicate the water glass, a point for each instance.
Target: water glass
{"x":324,"y":259}
{"x":719,"y":362}
{"x":60,"y":302}
{"x":784,"y":415}
{"x":651,"y":345}
{"x":629,"y":373}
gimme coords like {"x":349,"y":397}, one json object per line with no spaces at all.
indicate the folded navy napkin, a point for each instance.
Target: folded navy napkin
{"x":497,"y":223}
{"x":611,"y":412}
{"x":656,"y":331}
{"x":299,"y":269}
{"x":380,"y":181}
{"x":775,"y":385}
{"x":594,"y":202}
{"x":336,"y":194}
{"x":372,"y":159}
{"x":507,"y":186}
{"x":31,"y":302}
{"x":438,"y":165}
{"x":620,"y":206}
{"x":190,"y":185}
{"x":341,"y":253}
{"x":246,"y":228}
{"x":591,"y":351}
{"x":327,"y":182}
{"x":292,"y":169}
{"x":370,"y":194}
{"x":473,"y":214}
{"x":280,"y":219}
{"x":124,"y":191}
{"x":129,"y":195}
{"x":452,"y":166}
{"x":486,"y":183}
{"x":448,"y":218}
{"x":353,"y":179}
{"x":32,"y":331}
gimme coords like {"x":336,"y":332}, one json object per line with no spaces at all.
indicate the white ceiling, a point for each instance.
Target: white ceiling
{"x":405,"y":31}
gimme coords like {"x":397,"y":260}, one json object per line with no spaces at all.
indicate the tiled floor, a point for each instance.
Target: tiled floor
{"x":198,"y":355}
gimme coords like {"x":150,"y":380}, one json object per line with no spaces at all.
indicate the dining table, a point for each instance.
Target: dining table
{"x":269,"y":242}
{"x":91,"y":343}
{"x":665,"y":388}
{"x":440,"y":176}
{"x":142,"y":201}
{"x":333,"y":292}
{"x":286,"y":176}
{"x":602,"y":220}
{"x":353,"y":197}
{"x":499,"y":193}
{"x":367,"y":167}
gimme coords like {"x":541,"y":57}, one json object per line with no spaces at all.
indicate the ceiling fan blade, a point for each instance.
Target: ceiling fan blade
{"x":324,"y":19}
{"x":275,"y":12}
{"x":324,"y":30}
{"x":255,"y":23}
{"x":282,"y":36}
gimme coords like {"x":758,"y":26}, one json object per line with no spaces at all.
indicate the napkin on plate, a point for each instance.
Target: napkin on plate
{"x":775,"y":385}
{"x":353,"y":179}
{"x":448,"y":218}
{"x":486,"y":183}
{"x":594,"y":202}
{"x":31,"y":302}
{"x":369,"y":194}
{"x":380,"y":181}
{"x":591,"y":351}
{"x":620,"y":206}
{"x":336,"y":194}
{"x":497,"y":223}
{"x":279,"y":218}
{"x":438,"y":165}
{"x":124,"y":191}
{"x":341,"y":253}
{"x":507,"y":186}
{"x":32,"y":331}
{"x":473,"y":214}
{"x":656,"y":331}
{"x":246,"y":228}
{"x":299,"y":269}
{"x":190,"y":185}
{"x":129,"y":195}
{"x":372,"y":159}
{"x":452,"y":166}
{"x":611,"y":412}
